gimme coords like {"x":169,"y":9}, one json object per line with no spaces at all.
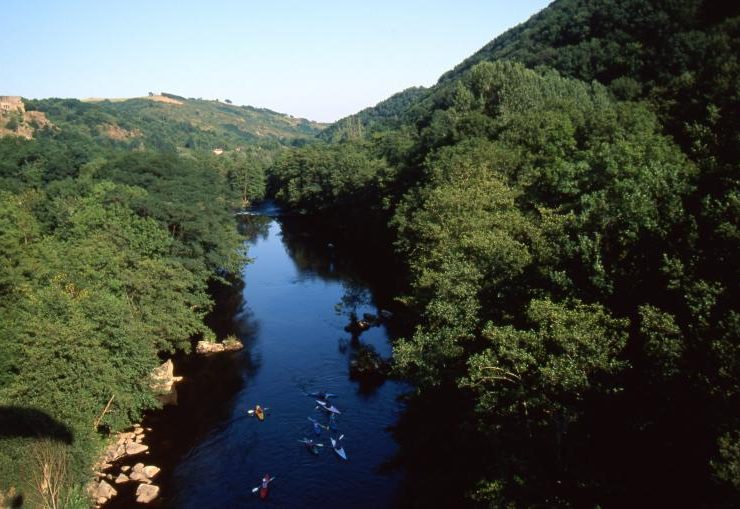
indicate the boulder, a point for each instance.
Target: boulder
{"x":368,"y":365}
{"x":357,"y":326}
{"x":229,"y":345}
{"x":163,"y":381}
{"x":150,"y":471}
{"x":140,"y":477}
{"x":205,"y":347}
{"x":139,"y":467}
{"x":113,"y":452}
{"x":145,"y":493}
{"x":125,"y":468}
{"x":125,"y":437}
{"x":103,"y":491}
{"x":122,"y":478}
{"x":133,"y":448}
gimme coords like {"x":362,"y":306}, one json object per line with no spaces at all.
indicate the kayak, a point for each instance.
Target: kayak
{"x":312,"y":446}
{"x":332,"y":422}
{"x":265,"y":486}
{"x":338,"y":449}
{"x":322,"y":395}
{"x":259,"y":413}
{"x":329,"y":408}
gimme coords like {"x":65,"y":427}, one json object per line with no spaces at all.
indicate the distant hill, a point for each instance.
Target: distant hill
{"x":163,"y":122}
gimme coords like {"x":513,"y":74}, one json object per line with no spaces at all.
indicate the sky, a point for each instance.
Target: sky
{"x":317,"y":59}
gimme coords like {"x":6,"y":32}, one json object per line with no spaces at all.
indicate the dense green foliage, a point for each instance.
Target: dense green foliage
{"x":105,"y":258}
{"x":570,"y":234}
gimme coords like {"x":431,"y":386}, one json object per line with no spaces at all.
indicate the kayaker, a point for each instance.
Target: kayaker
{"x":264,"y":488}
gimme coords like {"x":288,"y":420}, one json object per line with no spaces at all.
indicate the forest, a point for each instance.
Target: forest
{"x":565,"y":205}
{"x":564,"y":209}
{"x":107,"y":250}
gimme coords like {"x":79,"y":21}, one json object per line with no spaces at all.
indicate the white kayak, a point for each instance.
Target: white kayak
{"x":338,"y":448}
{"x":328,"y":407}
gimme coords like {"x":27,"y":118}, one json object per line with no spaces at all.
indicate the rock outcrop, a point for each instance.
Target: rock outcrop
{"x":229,"y":345}
{"x":163,"y":382}
{"x":367,"y":365}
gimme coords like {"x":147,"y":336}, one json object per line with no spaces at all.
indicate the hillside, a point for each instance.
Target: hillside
{"x":385,"y":114}
{"x":677,"y":55}
{"x":166,"y":122}
{"x":565,"y":202}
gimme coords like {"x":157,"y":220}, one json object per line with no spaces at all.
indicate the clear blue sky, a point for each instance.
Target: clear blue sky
{"x":319,"y":59}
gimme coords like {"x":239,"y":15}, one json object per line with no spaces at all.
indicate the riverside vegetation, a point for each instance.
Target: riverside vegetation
{"x":107,"y":248}
{"x":564,"y":205}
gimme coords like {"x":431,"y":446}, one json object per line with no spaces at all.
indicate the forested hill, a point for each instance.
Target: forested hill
{"x":165,"y":122}
{"x":386,"y":114}
{"x":565,"y":204}
{"x":605,"y":40}
{"x":672,"y":53}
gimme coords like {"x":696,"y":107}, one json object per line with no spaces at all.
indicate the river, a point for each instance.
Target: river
{"x":297,"y":297}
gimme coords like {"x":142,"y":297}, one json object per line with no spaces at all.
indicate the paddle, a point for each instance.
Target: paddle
{"x":335,"y":443}
{"x":251,"y":410}
{"x":255,"y":490}
{"x":304,"y":441}
{"x":318,"y":423}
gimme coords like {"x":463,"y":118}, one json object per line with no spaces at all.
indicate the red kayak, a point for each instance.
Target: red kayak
{"x":265,"y":486}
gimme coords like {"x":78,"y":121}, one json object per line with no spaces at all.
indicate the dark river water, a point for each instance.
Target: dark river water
{"x":298,"y":295}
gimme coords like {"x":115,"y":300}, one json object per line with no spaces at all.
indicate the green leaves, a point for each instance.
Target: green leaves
{"x":550,"y":365}
{"x":98,"y":275}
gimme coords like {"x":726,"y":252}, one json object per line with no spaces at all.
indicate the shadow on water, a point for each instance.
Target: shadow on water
{"x":203,"y":396}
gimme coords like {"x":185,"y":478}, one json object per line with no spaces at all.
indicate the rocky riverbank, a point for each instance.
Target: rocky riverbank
{"x":136,"y":467}
{"x":125,"y":449}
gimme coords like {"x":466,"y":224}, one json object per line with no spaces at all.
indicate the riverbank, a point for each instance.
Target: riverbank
{"x":300,"y":294}
{"x":203,"y":398}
